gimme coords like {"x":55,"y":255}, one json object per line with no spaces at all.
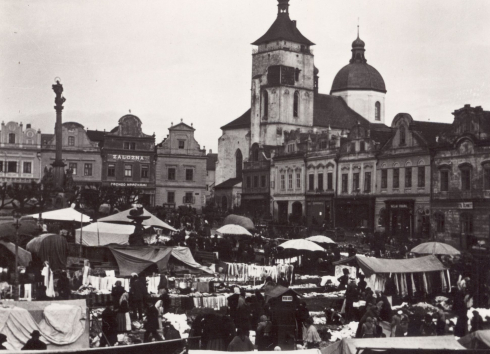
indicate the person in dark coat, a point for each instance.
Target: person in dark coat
{"x":350,"y":298}
{"x":151,"y":324}
{"x":283,"y":281}
{"x":385,"y":312}
{"x":138,"y":294}
{"x":372,"y":312}
{"x":361,"y":286}
{"x":343,"y":280}
{"x":476,"y":322}
{"x":263,"y":335}
{"x":169,"y":332}
{"x":302,"y":314}
{"x":109,"y":327}
{"x":117,"y":291}
{"x":64,"y":286}
{"x":35,"y":343}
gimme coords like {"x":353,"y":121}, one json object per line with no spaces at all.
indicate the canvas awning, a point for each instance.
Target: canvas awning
{"x":136,"y":259}
{"x":371,"y":265}
{"x":25,"y":257}
{"x":354,"y":346}
{"x":67,"y":214}
{"x":50,"y":247}
{"x":122,"y":217}
{"x":476,"y":340}
{"x":103,"y":233}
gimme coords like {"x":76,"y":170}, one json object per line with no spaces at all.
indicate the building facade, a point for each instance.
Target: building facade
{"x":356,"y":194}
{"x":210,"y":176}
{"x":461,"y":181}
{"x":20,"y":153}
{"x":80,"y":153}
{"x":181,"y":169}
{"x":129,"y":158}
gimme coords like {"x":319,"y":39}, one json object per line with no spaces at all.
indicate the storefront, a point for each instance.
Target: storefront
{"x":319,"y":210}
{"x":355,"y":213}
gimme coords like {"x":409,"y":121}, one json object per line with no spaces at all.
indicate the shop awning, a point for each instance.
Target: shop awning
{"x":371,"y":265}
{"x":136,"y":259}
{"x":122,"y":217}
{"x":67,"y":214}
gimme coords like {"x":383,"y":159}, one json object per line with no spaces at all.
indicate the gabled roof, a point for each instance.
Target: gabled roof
{"x":283,"y":29}
{"x":181,"y":125}
{"x":334,"y":112}
{"x":241,"y":122}
{"x":96,"y":135}
{"x":229,"y":183}
{"x":211,"y":162}
{"x":429,"y":130}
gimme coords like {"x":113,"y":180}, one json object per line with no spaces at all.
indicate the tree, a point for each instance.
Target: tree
{"x":21,"y":194}
{"x":127,"y":197}
{"x":4,"y":198}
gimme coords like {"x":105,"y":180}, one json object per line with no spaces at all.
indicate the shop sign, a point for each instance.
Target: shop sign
{"x":399,"y":206}
{"x":287,"y":299}
{"x":467,"y":205}
{"x":129,"y":157}
{"x":128,"y":184}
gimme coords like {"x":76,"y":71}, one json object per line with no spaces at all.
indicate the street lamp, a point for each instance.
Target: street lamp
{"x":17,"y":217}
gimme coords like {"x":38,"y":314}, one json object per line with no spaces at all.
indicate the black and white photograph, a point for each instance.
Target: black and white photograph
{"x":211,"y":176}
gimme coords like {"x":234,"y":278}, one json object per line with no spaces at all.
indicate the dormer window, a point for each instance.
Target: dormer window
{"x":291,"y":147}
{"x":362,"y":146}
{"x":181,"y":144}
{"x":402,"y":136}
{"x":11,"y":138}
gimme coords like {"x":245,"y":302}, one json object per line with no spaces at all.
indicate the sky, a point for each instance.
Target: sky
{"x":192,"y":59}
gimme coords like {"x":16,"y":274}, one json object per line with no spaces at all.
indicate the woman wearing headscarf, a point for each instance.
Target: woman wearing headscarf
{"x":123,"y":318}
{"x":263,"y":337}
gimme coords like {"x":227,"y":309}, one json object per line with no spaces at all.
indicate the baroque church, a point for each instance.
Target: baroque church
{"x":285,"y":97}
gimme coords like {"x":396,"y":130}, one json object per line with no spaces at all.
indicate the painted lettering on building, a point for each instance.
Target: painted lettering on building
{"x":467,"y":205}
{"x":130,"y":157}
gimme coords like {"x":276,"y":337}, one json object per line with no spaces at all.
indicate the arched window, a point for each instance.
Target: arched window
{"x":402,"y":136}
{"x":239,"y":163}
{"x":255,"y":152}
{"x":266,"y":104}
{"x":296,"y":104}
{"x":11,"y":138}
{"x":377,"y":111}
{"x":440,"y":221}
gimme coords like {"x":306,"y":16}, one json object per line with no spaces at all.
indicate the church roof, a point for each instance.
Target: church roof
{"x":333,"y":111}
{"x":430,"y":130}
{"x":284,"y":29}
{"x":241,"y":122}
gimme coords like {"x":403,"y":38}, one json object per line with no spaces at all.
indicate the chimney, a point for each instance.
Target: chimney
{"x":28,"y":126}
{"x":210,"y":151}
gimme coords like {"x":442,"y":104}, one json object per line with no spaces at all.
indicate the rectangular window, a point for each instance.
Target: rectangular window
{"x":330,"y":181}
{"x":111,"y":170}
{"x":128,"y":170}
{"x":345,"y":182}
{"x":384,"y":179}
{"x":362,"y":146}
{"x":263,"y":181}
{"x":171,"y":197}
{"x":323,"y":144}
{"x":283,"y":182}
{"x":311,"y":182}
{"x":486,"y":176}
{"x":87,"y":170}
{"x":189,"y":174}
{"x":396,"y":178}
{"x":421,"y":174}
{"x":129,"y":146}
{"x":73,"y":166}
{"x":1,"y":166}
{"x":188,"y":199}
{"x":249,"y":182}
{"x":71,"y":141}
{"x":12,"y":166}
{"x":27,"y":167}
{"x":320,"y":181}
{"x":256,"y":181}
{"x":181,"y":144}
{"x":408,"y":177}
{"x":298,"y":180}
{"x":290,"y":181}
{"x":145,"y":170}
{"x":353,"y":147}
{"x":367,"y":182}
{"x":444,"y":181}
{"x":11,"y":138}
{"x":355,"y":181}
{"x":171,"y":174}
{"x":466,"y":179}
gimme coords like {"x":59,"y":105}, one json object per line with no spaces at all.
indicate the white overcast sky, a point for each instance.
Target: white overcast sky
{"x":191,"y":59}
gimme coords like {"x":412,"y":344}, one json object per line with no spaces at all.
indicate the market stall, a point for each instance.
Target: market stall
{"x":50,"y":247}
{"x":409,"y":275}
{"x":239,"y":220}
{"x":103,"y":233}
{"x":354,"y":346}
{"x":122,"y":218}
{"x":66,"y":214}
{"x":476,"y":340}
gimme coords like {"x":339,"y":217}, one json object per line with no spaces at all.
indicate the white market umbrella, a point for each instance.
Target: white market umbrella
{"x":67,"y":214}
{"x":435,"y":248}
{"x":122,"y":217}
{"x":321,"y":239}
{"x":232,"y":229}
{"x":301,"y":245}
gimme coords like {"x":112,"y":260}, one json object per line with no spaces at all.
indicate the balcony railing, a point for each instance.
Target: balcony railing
{"x":256,"y":165}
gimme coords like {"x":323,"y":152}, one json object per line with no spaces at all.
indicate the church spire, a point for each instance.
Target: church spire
{"x":283,"y":6}
{"x":358,"y":49}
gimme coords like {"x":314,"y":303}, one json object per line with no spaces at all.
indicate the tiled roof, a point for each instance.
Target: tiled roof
{"x":46,"y":137}
{"x":429,"y":130}
{"x":229,"y":183}
{"x":95,"y":135}
{"x":333,"y":111}
{"x":283,"y":29}
{"x":241,"y":122}
{"x":358,"y":76}
{"x":211,"y":162}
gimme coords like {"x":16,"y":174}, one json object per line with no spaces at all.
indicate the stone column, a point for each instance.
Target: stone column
{"x":58,"y":164}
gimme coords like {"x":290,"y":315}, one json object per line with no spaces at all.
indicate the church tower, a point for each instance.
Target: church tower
{"x":361,"y":86}
{"x":283,"y":81}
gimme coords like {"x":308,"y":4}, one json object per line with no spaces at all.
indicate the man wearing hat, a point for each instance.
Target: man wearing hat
{"x":35,"y":343}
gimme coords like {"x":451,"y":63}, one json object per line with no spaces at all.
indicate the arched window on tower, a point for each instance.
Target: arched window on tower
{"x":377,"y":111}
{"x":239,"y":163}
{"x":403,"y":138}
{"x":266,"y":104}
{"x":296,"y":104}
